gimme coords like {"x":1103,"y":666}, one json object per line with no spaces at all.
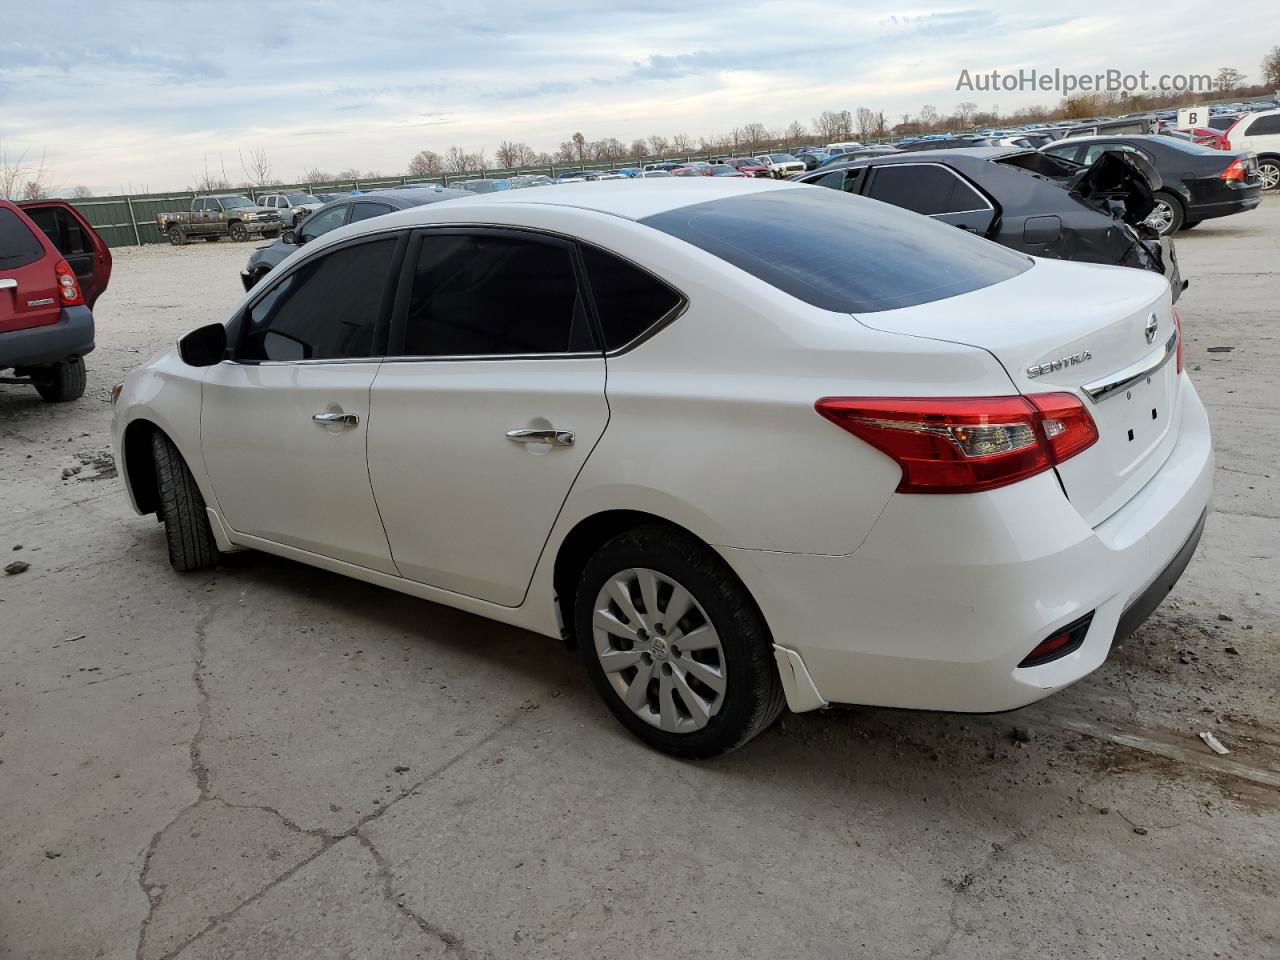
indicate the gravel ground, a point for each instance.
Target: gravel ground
{"x":272,"y":761}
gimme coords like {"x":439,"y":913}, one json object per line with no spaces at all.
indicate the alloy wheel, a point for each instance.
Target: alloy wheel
{"x":1269,"y":171}
{"x":659,"y":650}
{"x":1161,"y":218}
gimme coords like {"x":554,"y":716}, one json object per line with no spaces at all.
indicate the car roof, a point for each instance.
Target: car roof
{"x":932,"y":156}
{"x":631,"y":198}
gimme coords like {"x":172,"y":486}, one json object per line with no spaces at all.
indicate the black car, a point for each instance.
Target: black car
{"x":1024,"y":200}
{"x":1200,"y":183}
{"x":349,"y":209}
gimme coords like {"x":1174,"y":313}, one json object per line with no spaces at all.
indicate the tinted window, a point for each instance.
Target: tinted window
{"x":924,"y":188}
{"x":1264,"y":125}
{"x":485,"y":294}
{"x":197,"y":206}
{"x":18,"y":245}
{"x":324,"y":221}
{"x":327,"y":309}
{"x":628,"y":299}
{"x":363,"y":211}
{"x":839,"y":252}
{"x":62,"y":229}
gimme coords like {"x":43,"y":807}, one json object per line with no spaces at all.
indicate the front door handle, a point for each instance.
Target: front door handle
{"x":552,"y":437}
{"x":338,"y":419}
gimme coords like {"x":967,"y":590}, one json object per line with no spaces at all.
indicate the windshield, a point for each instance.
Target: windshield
{"x":231,"y":203}
{"x":839,"y":252}
{"x":301,"y":198}
{"x":782,"y":158}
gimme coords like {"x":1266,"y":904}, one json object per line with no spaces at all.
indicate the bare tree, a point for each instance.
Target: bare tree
{"x":659,"y":144}
{"x":351,"y":173}
{"x":315,"y":175}
{"x":580,"y":147}
{"x":425,"y":163}
{"x":507,"y":154}
{"x":1228,"y":79}
{"x":458,"y":160}
{"x":865,"y":120}
{"x":756,"y":135}
{"x":795,"y":132}
{"x":681,"y":143}
{"x":17,"y":173}
{"x":257,"y":167}
{"x":81,"y":192}
{"x":565,"y":152}
{"x":965,"y":111}
{"x":1271,"y":69}
{"x":639,"y":148}
{"x":826,"y":125}
{"x":526,"y":156}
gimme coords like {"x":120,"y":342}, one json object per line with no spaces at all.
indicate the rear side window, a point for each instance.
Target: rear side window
{"x":629,"y":300}
{"x":18,"y":245}
{"x":1263,"y":126}
{"x":924,"y":188}
{"x":366,"y":211}
{"x":62,"y":229}
{"x":840,"y":252}
{"x":327,"y":309}
{"x":486,"y":294}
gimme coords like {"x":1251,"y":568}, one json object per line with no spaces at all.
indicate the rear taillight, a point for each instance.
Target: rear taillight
{"x":1177,"y":325}
{"x":1235,"y":171}
{"x":967,"y":444}
{"x":68,"y":287}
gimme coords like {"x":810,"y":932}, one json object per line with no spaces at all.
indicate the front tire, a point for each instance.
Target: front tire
{"x":675,"y":645}
{"x":177,"y":236}
{"x":182,"y":508}
{"x":61,"y":382}
{"x":238,"y":233}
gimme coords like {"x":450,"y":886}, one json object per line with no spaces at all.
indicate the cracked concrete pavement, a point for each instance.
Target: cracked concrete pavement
{"x":271,"y":761}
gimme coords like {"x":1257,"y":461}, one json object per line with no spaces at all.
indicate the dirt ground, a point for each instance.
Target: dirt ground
{"x":269,"y":761}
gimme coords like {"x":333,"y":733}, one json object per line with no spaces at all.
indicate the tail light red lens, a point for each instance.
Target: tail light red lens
{"x":1067,"y":640}
{"x":1177,"y":325}
{"x":68,"y":287}
{"x":1234,"y":172}
{"x":967,"y":444}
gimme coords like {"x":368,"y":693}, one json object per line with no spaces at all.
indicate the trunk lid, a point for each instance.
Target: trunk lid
{"x":1119,"y":183}
{"x":28,"y":287}
{"x":1081,"y":328}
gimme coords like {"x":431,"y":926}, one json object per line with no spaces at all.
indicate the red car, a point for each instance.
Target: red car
{"x":748,"y":166}
{"x":53,"y":267}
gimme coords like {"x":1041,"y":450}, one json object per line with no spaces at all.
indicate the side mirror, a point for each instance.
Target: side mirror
{"x":289,"y":237}
{"x":204,"y":346}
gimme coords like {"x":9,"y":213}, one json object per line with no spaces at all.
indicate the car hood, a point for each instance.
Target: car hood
{"x":1120,"y":178}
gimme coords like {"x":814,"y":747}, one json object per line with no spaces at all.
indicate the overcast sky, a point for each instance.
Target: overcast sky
{"x":138,"y":93}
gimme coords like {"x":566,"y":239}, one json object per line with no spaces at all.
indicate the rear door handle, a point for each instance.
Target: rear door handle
{"x":552,"y":437}
{"x":339,"y":419}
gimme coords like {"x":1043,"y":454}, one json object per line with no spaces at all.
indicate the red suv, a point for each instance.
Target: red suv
{"x":53,"y":266}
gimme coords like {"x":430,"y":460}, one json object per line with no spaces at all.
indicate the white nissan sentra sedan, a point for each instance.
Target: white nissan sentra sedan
{"x":746,"y":444}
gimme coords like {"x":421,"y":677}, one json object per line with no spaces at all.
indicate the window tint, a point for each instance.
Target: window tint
{"x":924,"y":188}
{"x":363,"y":211}
{"x":62,"y":229}
{"x":324,"y":221}
{"x":18,"y":245}
{"x":327,"y":309}
{"x":197,"y":206}
{"x":486,"y":294}
{"x":1264,"y":125}
{"x":629,"y":300}
{"x":839,"y":252}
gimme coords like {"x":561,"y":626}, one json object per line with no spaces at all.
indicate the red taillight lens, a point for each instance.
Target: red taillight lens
{"x":68,"y":287}
{"x":1233,"y":172}
{"x":967,"y":444}
{"x":1177,"y":325}
{"x":1068,"y":640}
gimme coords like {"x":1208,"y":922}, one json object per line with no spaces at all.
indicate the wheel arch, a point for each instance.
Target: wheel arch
{"x":137,"y":471}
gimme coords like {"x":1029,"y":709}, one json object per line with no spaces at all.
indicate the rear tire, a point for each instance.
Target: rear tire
{"x":61,"y":382}
{"x":1269,"y":172}
{"x":182,"y":508}
{"x":734,"y":651}
{"x":1167,"y":218}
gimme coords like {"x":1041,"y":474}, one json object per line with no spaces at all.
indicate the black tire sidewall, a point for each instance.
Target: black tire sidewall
{"x":744,"y":638}
{"x":1178,"y":214}
{"x":238,"y":233}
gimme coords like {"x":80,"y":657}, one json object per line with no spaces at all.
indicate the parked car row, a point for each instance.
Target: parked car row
{"x":697,"y":429}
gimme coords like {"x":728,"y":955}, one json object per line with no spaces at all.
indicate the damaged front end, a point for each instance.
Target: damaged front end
{"x":1122,"y":185}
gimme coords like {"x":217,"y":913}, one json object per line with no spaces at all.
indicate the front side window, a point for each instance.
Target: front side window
{"x":628,"y":300}
{"x":487,"y":294}
{"x":925,"y":188}
{"x":327,"y":309}
{"x":197,"y":207}
{"x":324,"y":221}
{"x":838,"y":252}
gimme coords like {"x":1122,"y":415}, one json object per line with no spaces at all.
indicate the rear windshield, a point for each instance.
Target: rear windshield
{"x":840,"y":252}
{"x":18,"y":245}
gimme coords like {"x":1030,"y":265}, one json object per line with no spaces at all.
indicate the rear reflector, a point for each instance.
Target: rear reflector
{"x":967,"y":444}
{"x":1065,"y":641}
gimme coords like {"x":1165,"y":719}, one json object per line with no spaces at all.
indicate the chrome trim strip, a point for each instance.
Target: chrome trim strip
{"x":1123,"y":379}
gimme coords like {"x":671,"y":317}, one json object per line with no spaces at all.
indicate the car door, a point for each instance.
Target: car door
{"x":284,"y":421}
{"x":934,"y":190}
{"x":28,"y":283}
{"x":73,"y":237}
{"x":486,"y":408}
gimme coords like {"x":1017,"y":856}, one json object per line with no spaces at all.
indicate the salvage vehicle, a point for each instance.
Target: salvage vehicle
{"x":1197,"y":182}
{"x":292,"y":207}
{"x":53,"y":267}
{"x":226,"y":215}
{"x":1028,"y":201}
{"x":338,"y":214}
{"x":781,"y":165}
{"x":746,"y":449}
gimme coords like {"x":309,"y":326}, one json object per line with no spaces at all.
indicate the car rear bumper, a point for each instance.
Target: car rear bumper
{"x":948,"y":594}
{"x":71,"y":336}
{"x":1223,"y":208}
